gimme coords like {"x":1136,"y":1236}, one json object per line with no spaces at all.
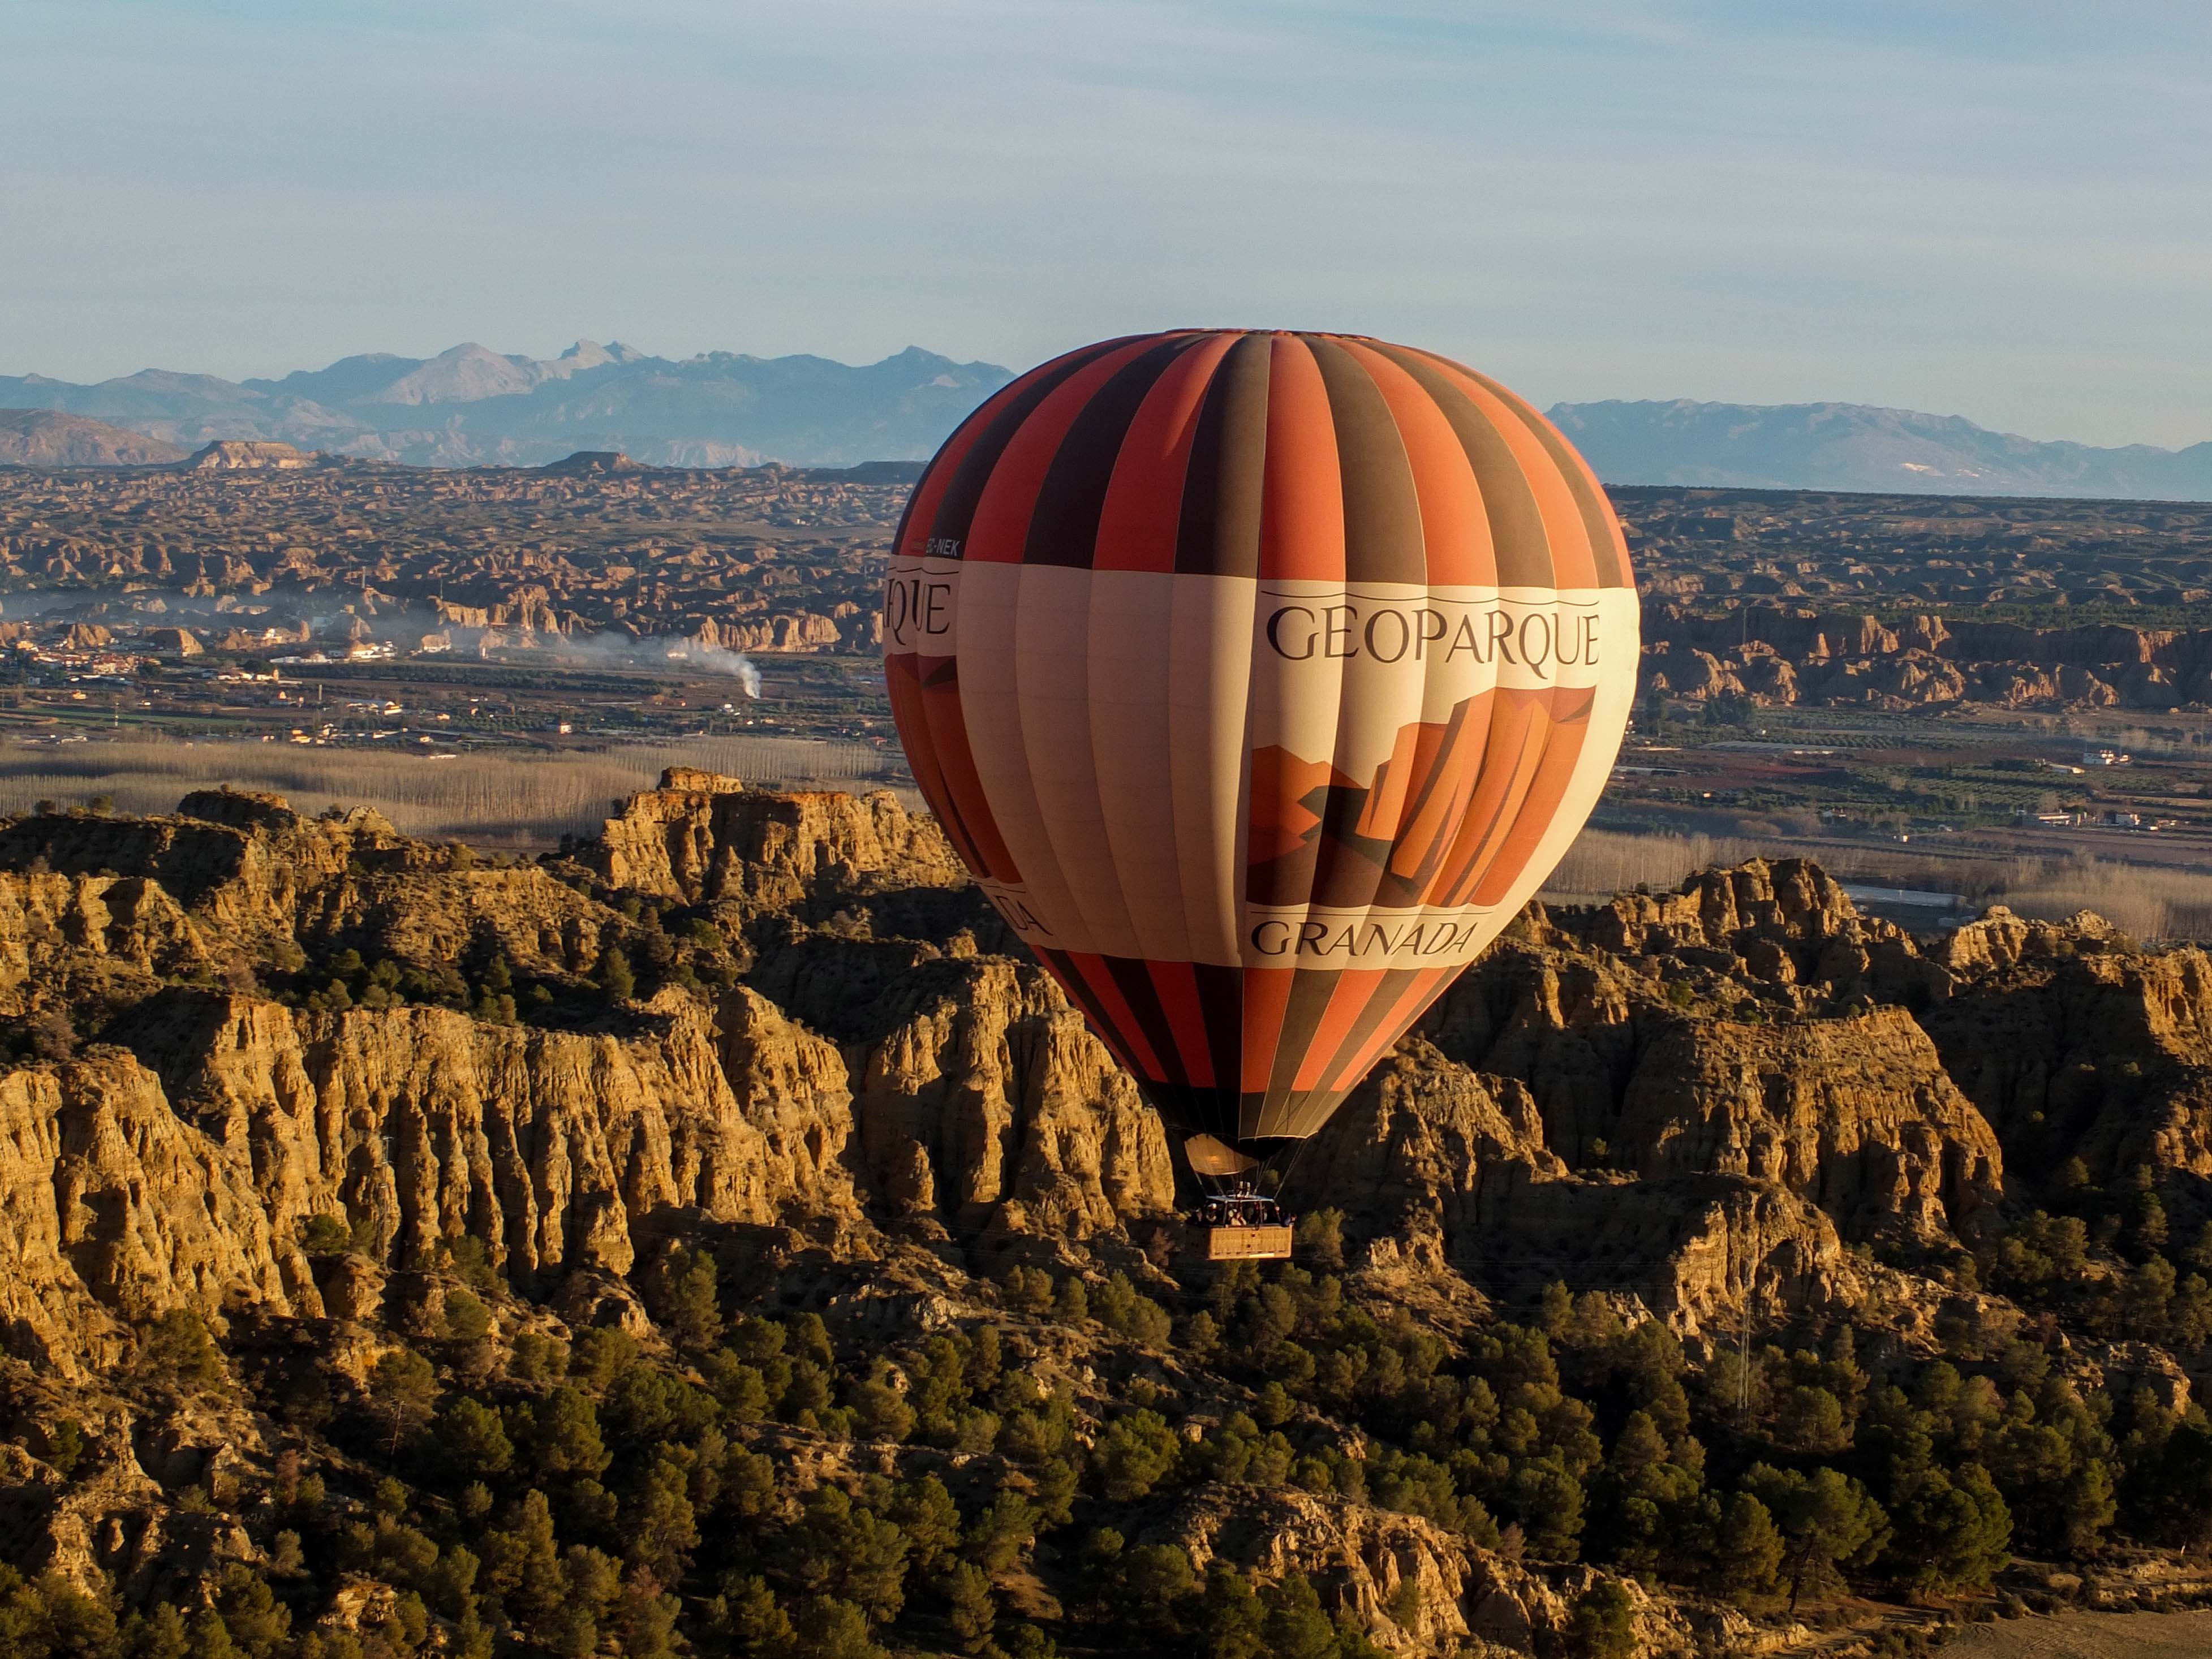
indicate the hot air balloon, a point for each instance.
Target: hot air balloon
{"x":1260,"y":679}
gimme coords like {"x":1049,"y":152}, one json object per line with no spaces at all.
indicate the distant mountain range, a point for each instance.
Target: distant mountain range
{"x":470,"y":406}
{"x":1857,"y":447}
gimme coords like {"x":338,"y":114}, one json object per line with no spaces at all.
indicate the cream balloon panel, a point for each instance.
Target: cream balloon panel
{"x":1114,"y":718}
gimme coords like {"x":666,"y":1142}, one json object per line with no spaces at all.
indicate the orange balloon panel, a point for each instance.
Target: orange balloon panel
{"x":1260,"y":679}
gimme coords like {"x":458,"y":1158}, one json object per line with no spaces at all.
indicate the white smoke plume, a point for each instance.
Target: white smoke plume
{"x":400,"y":621}
{"x":620,"y":651}
{"x":718,"y":659}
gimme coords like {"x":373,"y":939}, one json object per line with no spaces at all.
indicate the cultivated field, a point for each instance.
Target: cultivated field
{"x":516,"y":798}
{"x":2151,"y":902}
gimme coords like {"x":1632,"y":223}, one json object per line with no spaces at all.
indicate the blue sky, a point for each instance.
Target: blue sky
{"x":1999,"y":209}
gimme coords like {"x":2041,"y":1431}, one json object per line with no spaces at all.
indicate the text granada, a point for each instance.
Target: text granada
{"x":1352,"y":940}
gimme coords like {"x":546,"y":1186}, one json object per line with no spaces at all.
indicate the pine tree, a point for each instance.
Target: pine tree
{"x":1229,"y":1618}
{"x":645,"y":1618}
{"x":1071,"y":1303}
{"x":924,"y":1510}
{"x":467,"y":1320}
{"x":258,"y":1623}
{"x":1295,"y":1626}
{"x":471,"y":1441}
{"x":403,"y":1391}
{"x":1747,"y":1550}
{"x":1638,"y":1449}
{"x":616,"y":978}
{"x":880,"y":1411}
{"x":2090,"y":1507}
{"x":1953,"y":1532}
{"x":1604,"y":1622}
{"x":163,"y":1635}
{"x":830,"y":1629}
{"x":1134,"y":1454}
{"x":2150,"y":1229}
{"x":1154,"y":1581}
{"x":2199,"y":1255}
{"x":1812,"y":1420}
{"x":563,"y":1437}
{"x":1055,"y":1484}
{"x":1006,"y":1527}
{"x":841,"y":1550}
{"x":969,"y":1608}
{"x":208,"y":1638}
{"x":1829,"y":1521}
{"x":522,"y":1566}
{"x":663,"y":1528}
{"x":757,"y":1622}
{"x":1557,"y":1309}
{"x":687,"y":1300}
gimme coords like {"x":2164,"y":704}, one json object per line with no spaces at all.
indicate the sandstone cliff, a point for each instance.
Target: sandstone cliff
{"x":1728,"y":1029}
{"x":703,"y":837}
{"x":287,"y":1072}
{"x":1574,"y":1107}
{"x":235,"y":455}
{"x":1442,"y":1171}
{"x":116,"y":1210}
{"x":1459,"y":1595}
{"x":982,"y":1101}
{"x":2073,"y":1045}
{"x":988,"y":1101}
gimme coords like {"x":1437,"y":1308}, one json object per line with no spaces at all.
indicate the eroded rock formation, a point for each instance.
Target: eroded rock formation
{"x":1723,"y":1075}
{"x":1782,"y":656}
{"x":1740,"y":1105}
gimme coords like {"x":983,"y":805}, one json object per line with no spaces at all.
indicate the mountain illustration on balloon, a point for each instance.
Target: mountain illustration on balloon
{"x":1407,"y":837}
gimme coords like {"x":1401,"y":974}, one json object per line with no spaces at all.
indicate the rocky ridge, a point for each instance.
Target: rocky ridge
{"x":39,"y":437}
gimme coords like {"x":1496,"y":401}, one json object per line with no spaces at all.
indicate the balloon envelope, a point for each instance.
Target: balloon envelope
{"x":1260,"y":679}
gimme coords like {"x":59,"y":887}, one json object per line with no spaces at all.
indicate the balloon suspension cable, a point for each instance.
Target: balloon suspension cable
{"x":1283,"y":1181}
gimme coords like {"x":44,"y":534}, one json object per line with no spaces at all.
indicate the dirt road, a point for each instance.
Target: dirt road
{"x":2089,"y":1636}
